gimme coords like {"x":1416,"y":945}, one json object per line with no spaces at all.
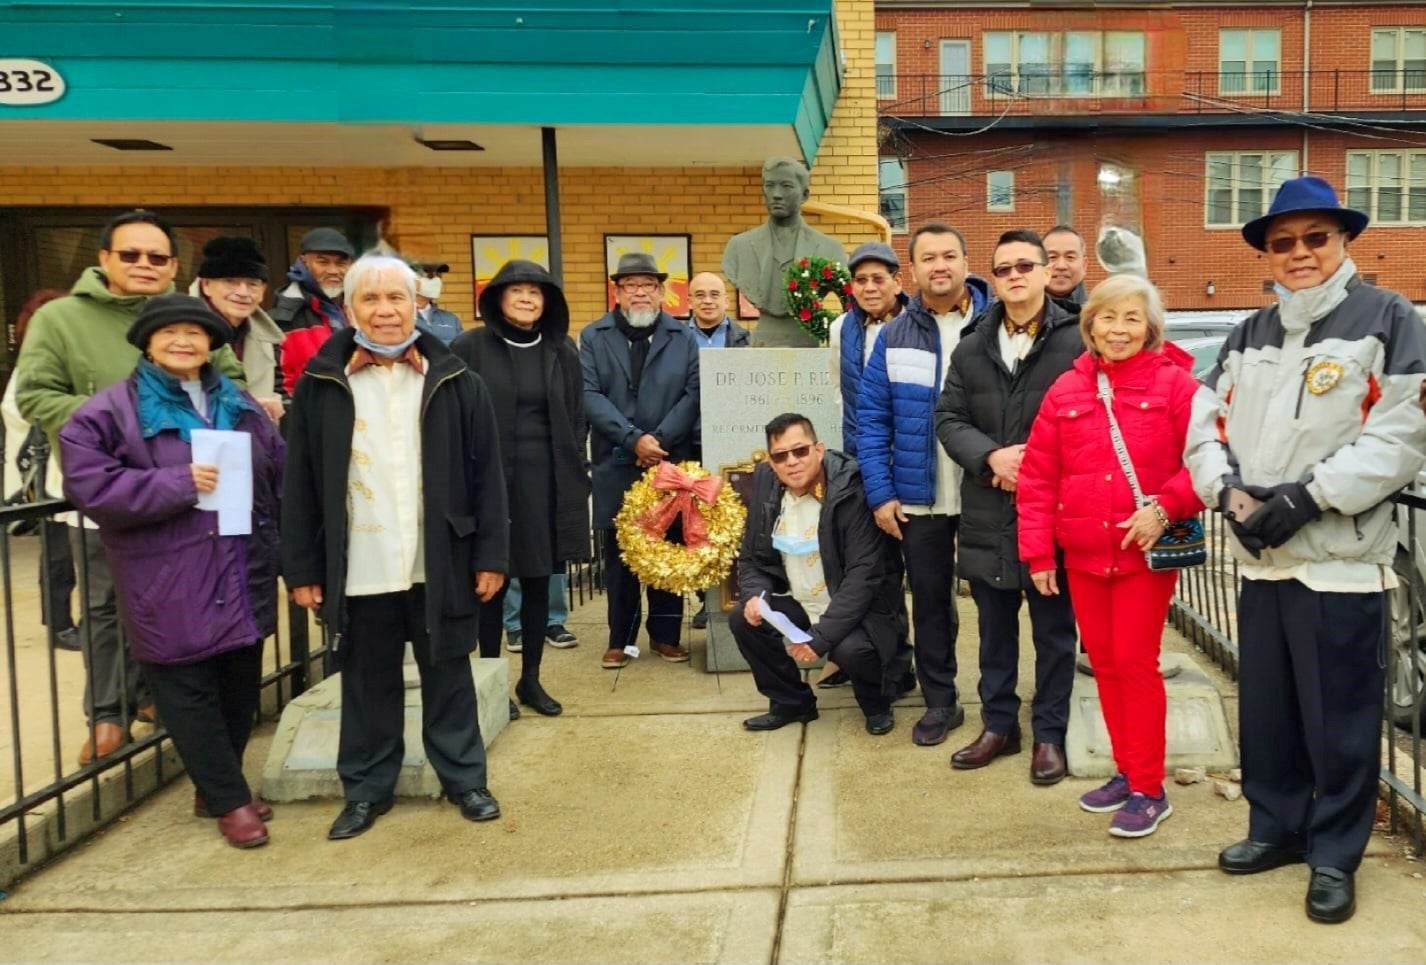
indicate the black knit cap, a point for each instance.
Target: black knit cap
{"x":232,"y":256}
{"x":172,"y":309}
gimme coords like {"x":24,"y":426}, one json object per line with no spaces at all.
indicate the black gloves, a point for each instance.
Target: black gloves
{"x":1286,"y":508}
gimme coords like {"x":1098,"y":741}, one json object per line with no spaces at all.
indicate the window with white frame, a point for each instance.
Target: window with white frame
{"x":1075,"y":63}
{"x":1000,"y":191}
{"x":1240,"y":185}
{"x":1249,"y":61}
{"x":891,"y":172}
{"x":1388,"y":185}
{"x":886,"y":63}
{"x":1398,"y":59}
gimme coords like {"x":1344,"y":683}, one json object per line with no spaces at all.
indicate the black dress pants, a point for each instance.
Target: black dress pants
{"x":928,"y":544}
{"x":665,"y":623}
{"x":534,"y":620}
{"x":208,"y":708}
{"x":777,"y":675}
{"x":56,"y":576}
{"x":1053,"y":631}
{"x":372,"y":740}
{"x":114,"y":685}
{"x":1310,"y":679}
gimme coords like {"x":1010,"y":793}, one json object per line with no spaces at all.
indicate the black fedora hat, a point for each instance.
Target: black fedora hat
{"x":638,"y":263}
{"x":173,"y":309}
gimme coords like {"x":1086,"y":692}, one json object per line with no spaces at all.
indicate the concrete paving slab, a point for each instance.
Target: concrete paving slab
{"x":593,"y":806}
{"x":1194,"y":916}
{"x":712,"y":927}
{"x":855,"y":824}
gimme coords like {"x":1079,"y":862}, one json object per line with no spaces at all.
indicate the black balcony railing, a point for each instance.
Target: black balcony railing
{"x":1047,"y":90}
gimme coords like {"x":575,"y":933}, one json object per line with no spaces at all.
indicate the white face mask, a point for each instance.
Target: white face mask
{"x":429,"y":287}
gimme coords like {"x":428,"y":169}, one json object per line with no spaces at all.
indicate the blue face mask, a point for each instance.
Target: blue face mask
{"x":794,"y":545}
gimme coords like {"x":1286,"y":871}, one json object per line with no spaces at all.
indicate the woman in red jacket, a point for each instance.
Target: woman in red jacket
{"x":1074,"y":498}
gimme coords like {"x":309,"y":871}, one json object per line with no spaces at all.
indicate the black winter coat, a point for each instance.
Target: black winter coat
{"x":862,"y":564}
{"x":983,"y":408}
{"x":466,"y":520}
{"x":488,"y":355}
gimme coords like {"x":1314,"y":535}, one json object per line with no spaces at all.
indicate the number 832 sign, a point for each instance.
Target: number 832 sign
{"x":26,"y":82}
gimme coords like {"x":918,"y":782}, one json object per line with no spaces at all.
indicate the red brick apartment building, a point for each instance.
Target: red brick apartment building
{"x":1181,"y":118}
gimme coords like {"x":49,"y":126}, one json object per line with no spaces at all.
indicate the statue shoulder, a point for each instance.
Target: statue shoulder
{"x":824,"y":246}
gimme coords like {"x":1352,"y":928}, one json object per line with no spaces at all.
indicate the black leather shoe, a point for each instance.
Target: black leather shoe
{"x":68,"y":640}
{"x":837,"y":678}
{"x":531,"y":694}
{"x":1331,"y":896}
{"x":1248,"y":857}
{"x":356,"y":817}
{"x":514,"y":709}
{"x":773,"y":721}
{"x":935,"y":724}
{"x":879,"y":724}
{"x":700,"y":619}
{"x":476,"y":805}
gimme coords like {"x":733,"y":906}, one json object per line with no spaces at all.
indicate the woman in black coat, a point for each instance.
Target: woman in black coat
{"x":527,"y":361}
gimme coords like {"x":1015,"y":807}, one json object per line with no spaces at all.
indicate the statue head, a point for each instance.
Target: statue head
{"x":786,"y":184}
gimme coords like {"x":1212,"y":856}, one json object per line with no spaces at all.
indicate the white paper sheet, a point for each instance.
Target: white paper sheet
{"x":781,"y":623}
{"x":232,"y":453}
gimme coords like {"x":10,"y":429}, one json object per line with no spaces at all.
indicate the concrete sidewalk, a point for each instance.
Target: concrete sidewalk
{"x":645,"y":825}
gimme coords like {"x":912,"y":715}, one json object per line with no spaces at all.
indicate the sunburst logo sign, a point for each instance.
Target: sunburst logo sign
{"x":490,"y":252}
{"x":670,"y":253}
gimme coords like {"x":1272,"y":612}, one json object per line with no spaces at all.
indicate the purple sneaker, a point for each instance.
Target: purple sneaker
{"x":1110,"y":797}
{"x":1140,"y":815}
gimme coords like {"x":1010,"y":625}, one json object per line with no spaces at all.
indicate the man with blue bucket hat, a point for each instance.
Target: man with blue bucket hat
{"x":1301,"y":433}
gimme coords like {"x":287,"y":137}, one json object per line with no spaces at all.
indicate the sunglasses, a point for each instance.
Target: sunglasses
{"x":800,"y":452}
{"x":1313,"y":240}
{"x":130,"y":257}
{"x":1020,"y":268}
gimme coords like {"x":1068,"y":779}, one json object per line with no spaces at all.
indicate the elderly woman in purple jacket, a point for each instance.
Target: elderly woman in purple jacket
{"x":195,"y":604}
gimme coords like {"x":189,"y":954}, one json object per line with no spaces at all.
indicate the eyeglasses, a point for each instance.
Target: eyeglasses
{"x":1313,"y":240}
{"x":797,"y":452}
{"x":639,"y":288}
{"x":1023,"y":267}
{"x":131,"y":257}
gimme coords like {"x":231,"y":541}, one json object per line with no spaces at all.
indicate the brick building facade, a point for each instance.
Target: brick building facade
{"x":1179,"y":119}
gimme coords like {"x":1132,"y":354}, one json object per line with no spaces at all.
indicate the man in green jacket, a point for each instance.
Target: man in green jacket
{"x":75,"y":347}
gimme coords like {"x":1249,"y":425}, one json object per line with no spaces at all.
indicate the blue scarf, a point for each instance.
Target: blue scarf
{"x":164,"y":405}
{"x":388,"y":351}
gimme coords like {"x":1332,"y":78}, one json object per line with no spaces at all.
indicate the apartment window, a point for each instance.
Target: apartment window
{"x":1249,"y":61}
{"x":891,"y":173}
{"x":1398,"y":60}
{"x":1000,"y":191}
{"x":1075,"y":63}
{"x":1240,"y":184}
{"x":885,"y":64}
{"x":1388,"y":185}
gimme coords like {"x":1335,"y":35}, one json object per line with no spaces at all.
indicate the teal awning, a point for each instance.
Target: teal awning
{"x":635,"y":63}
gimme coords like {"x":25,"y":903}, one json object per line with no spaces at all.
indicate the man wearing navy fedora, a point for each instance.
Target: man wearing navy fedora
{"x":641,"y":395}
{"x":1301,"y":433}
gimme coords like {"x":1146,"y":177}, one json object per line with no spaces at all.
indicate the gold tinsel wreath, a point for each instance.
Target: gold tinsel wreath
{"x":668,"y":566}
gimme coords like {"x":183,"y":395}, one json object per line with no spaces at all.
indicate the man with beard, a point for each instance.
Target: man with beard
{"x":641,"y":397}
{"x":311,"y":308}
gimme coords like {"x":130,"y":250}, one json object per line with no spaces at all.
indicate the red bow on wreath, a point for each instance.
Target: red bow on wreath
{"x":681,"y":488}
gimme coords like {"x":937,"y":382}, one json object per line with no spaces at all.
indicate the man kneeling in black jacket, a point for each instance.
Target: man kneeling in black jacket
{"x":812,"y":552}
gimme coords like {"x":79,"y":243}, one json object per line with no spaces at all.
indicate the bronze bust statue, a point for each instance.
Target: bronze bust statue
{"x":757,"y":260}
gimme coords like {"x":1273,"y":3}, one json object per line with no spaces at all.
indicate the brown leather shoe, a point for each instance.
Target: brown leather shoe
{"x":984,"y":749}
{"x":243,"y":828}
{"x":200,"y":808}
{"x":147,"y":713}
{"x":672,"y":652}
{"x":614,"y":658}
{"x":108,"y":737}
{"x":1047,"y":764}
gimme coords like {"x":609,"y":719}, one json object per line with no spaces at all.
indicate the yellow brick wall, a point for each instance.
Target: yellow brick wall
{"x":434,"y":211}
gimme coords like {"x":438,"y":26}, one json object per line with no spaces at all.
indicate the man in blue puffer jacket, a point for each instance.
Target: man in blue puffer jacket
{"x":876,"y":291}
{"x":912,"y":485}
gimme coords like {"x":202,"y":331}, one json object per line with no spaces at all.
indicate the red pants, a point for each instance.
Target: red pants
{"x":1121,"y":621}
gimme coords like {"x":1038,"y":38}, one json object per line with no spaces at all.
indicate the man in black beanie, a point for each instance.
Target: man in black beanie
{"x":232,"y":279}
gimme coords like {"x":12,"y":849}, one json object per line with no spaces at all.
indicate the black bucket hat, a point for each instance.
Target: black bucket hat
{"x":173,"y":309}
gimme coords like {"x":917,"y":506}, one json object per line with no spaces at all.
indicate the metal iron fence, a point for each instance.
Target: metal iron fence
{"x":1205,"y":611}
{"x":45,"y":714}
{"x":1044,"y":90}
